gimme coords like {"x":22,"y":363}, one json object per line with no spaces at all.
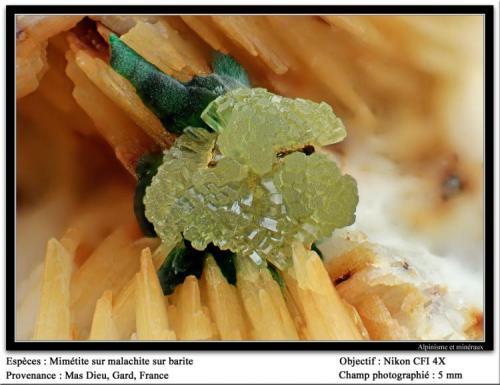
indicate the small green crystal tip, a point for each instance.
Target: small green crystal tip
{"x":247,"y":187}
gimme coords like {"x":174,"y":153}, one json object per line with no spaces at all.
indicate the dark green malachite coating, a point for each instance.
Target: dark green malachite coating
{"x":183,"y":260}
{"x":225,"y":261}
{"x":162,"y":94}
{"x":227,"y":66}
{"x":315,"y":248}
{"x":145,"y":170}
{"x":275,"y":273}
{"x":176,"y":104}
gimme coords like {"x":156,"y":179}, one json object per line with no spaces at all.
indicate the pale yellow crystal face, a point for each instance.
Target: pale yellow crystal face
{"x":243,"y":188}
{"x":254,"y":125}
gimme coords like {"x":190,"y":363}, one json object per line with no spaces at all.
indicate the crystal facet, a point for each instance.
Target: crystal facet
{"x":247,"y":187}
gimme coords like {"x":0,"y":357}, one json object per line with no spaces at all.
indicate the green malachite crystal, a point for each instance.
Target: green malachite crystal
{"x":176,"y":104}
{"x":246,"y":186}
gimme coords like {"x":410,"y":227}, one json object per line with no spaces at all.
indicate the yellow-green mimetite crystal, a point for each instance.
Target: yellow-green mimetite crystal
{"x":247,"y":186}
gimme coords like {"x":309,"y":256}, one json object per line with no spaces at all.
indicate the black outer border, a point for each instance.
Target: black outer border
{"x":489,"y":137}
